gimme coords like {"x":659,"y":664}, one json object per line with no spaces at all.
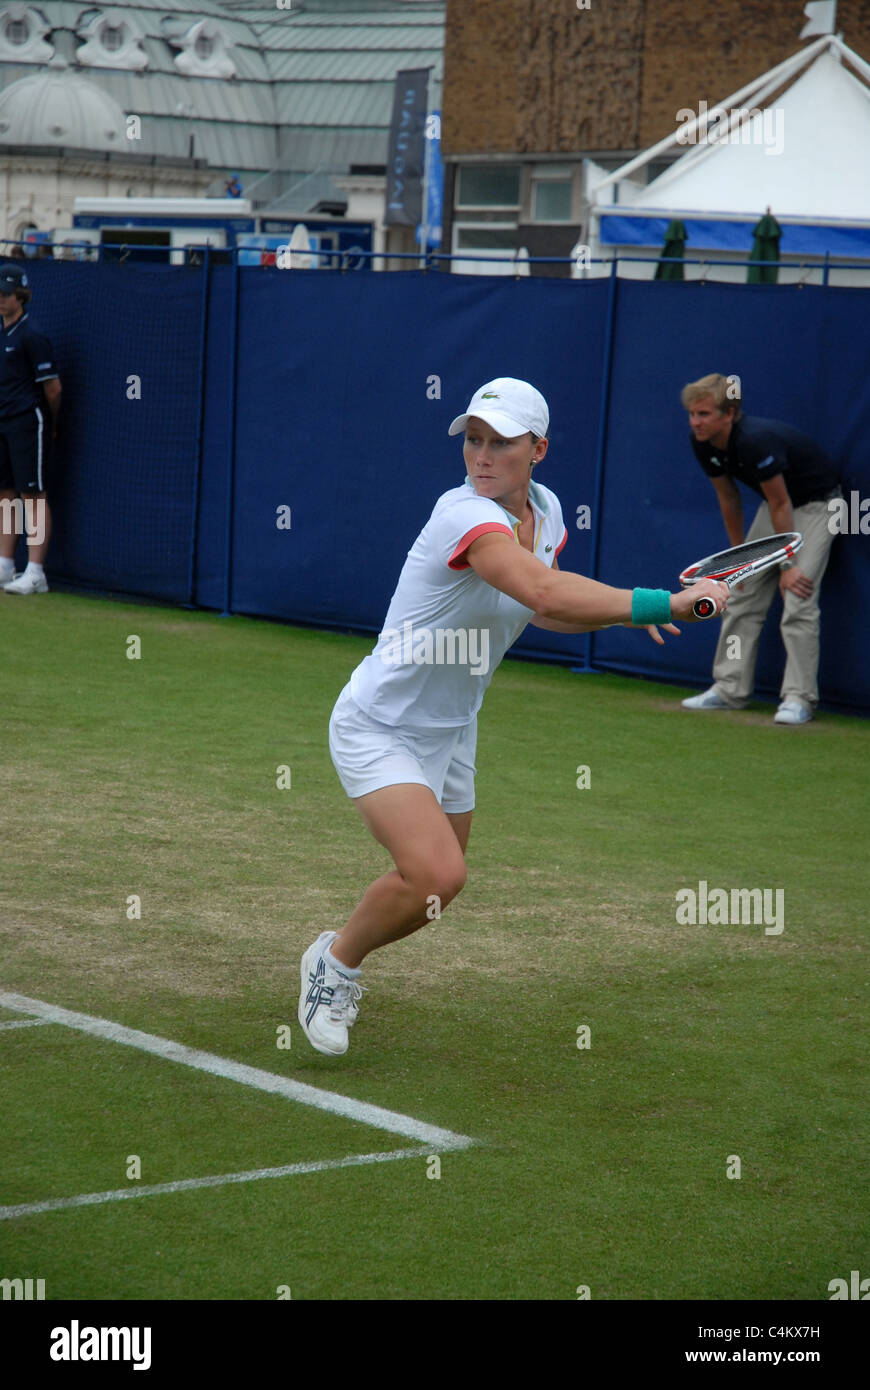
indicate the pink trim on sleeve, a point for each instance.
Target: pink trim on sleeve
{"x":456,"y":561}
{"x":561,"y":546}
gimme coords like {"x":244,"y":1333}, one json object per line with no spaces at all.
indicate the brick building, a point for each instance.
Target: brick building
{"x":538,"y":91}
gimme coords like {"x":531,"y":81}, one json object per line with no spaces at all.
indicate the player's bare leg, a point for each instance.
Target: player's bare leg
{"x":461,"y":822}
{"x":427,"y":848}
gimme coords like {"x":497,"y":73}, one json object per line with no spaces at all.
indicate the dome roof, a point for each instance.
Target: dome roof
{"x":252,"y":85}
{"x":60,"y":109}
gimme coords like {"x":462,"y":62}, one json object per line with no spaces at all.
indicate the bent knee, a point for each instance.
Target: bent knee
{"x":441,"y":881}
{"x":453,"y":881}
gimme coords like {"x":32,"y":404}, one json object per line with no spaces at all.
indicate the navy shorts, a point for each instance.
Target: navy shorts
{"x":24,"y":451}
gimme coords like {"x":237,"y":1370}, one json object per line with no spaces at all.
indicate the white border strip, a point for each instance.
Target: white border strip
{"x":438,"y":1139}
{"x":126,"y":1194}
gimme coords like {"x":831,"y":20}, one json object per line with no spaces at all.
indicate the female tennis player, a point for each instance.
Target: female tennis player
{"x":403,"y":732}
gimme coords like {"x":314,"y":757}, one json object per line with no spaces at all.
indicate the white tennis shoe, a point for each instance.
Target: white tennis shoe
{"x":792,"y":712}
{"x":711,"y":699}
{"x":328,"y":1000}
{"x":27,"y":584}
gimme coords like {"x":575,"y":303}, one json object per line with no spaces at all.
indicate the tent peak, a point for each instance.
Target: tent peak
{"x":759,"y":88}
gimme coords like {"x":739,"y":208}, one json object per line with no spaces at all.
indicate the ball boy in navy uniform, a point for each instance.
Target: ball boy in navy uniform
{"x":29,"y":402}
{"x":795,"y":479}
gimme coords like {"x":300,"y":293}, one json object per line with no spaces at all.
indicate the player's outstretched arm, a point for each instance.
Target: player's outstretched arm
{"x":553,"y":624}
{"x":572,"y":601}
{"x":557,"y":595}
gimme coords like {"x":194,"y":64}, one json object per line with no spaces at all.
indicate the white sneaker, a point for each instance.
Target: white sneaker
{"x":711,"y":699}
{"x":328,"y":1001}
{"x":792,"y":712}
{"x":27,"y":584}
{"x":327,"y":938}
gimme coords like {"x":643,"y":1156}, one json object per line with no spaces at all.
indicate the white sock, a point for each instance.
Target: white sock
{"x":348,"y":971}
{"x":34,"y":570}
{"x":7,"y":569}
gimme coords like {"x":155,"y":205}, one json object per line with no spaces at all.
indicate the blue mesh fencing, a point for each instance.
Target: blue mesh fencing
{"x":289,"y":438}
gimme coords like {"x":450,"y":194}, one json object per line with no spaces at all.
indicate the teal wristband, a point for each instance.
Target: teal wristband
{"x":650,"y":606}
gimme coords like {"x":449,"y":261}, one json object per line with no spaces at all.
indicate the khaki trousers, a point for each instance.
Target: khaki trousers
{"x":737,"y":649}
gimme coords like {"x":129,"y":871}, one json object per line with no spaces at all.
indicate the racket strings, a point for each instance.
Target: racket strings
{"x":748,"y":554}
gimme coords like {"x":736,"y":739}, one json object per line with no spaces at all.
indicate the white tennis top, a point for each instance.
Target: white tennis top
{"x":446,"y":629}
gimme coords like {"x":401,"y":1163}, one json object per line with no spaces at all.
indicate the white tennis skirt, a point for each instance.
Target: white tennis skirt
{"x":369,"y":756}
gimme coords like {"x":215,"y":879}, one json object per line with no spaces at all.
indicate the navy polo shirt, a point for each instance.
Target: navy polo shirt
{"x":26,"y":360}
{"x":762,"y":449}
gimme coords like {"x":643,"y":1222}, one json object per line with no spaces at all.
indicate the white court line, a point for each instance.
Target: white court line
{"x":126,"y":1194}
{"x":25,"y":1023}
{"x":443,"y":1140}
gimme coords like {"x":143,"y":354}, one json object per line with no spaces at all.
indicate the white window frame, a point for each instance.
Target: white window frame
{"x":95,"y":52}
{"x":551,"y":221}
{"x":34,"y":47}
{"x":505,"y":265}
{"x":9,"y":22}
{"x":488,"y":207}
{"x":123,"y":37}
{"x":557,"y":172}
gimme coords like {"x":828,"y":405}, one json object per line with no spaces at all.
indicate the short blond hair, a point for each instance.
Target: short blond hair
{"x":723,"y":390}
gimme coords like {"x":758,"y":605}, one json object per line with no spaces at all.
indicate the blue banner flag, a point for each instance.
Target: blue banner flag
{"x":434,"y":183}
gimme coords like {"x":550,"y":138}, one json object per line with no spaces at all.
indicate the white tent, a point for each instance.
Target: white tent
{"x":795,"y":141}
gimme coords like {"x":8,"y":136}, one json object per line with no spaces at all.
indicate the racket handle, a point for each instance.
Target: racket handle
{"x":704,"y":608}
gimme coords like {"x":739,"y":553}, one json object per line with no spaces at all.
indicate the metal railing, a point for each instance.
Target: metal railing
{"x":349,"y":259}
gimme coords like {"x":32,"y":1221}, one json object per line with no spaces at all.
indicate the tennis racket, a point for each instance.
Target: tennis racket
{"x":742,"y":562}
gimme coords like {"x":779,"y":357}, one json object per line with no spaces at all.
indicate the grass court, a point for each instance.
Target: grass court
{"x":604,"y":1166}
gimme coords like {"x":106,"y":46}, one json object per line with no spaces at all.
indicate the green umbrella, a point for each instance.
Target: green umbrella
{"x":765,"y":247}
{"x":675,"y":240}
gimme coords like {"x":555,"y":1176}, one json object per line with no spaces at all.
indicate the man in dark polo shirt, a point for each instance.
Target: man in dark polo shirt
{"x":29,"y":402}
{"x":794,"y":479}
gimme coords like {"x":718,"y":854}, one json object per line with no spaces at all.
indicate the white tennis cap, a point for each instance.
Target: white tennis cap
{"x":510,"y":406}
